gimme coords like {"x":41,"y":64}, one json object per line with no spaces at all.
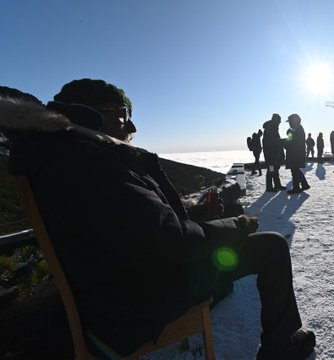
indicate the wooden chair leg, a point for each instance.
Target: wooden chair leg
{"x":184,"y":345}
{"x":207,"y":335}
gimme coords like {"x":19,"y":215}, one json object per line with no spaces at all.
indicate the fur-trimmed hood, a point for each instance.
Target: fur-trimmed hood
{"x":36,"y":133}
{"x":23,"y":116}
{"x":19,"y":118}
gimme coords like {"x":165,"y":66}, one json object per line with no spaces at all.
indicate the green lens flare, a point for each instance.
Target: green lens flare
{"x":225,"y":259}
{"x":290,"y":136}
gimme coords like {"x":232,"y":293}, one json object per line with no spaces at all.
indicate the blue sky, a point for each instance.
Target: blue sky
{"x":202,"y":75}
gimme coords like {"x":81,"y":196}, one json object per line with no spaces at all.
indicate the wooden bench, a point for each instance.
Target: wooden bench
{"x":237,"y":172}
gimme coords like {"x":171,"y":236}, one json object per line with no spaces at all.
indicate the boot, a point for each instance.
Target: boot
{"x":294,"y":191}
{"x":300,"y":345}
{"x":277,"y":182}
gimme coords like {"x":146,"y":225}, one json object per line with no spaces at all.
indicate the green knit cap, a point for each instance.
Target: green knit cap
{"x":92,"y":93}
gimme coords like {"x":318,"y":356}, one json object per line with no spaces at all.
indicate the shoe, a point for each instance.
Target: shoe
{"x":281,"y":187}
{"x":306,"y":187}
{"x":299,"y":347}
{"x":294,"y":191}
{"x":271,"y":189}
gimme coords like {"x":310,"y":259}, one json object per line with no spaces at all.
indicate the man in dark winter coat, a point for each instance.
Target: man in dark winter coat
{"x":255,"y":144}
{"x":134,"y":258}
{"x":331,"y":139}
{"x":309,"y":146}
{"x":295,"y":154}
{"x":273,"y":153}
{"x":320,"y":147}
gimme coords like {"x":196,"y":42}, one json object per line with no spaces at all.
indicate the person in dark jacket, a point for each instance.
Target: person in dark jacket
{"x":273,"y":153}
{"x":309,"y":146}
{"x":320,"y":147}
{"x":257,"y":149}
{"x":135,"y":260}
{"x":331,"y":139}
{"x":295,"y":154}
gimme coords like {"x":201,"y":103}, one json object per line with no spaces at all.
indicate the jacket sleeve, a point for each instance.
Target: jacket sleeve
{"x":151,"y":163}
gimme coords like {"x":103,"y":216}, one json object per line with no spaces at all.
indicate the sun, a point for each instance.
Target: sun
{"x":317,"y":78}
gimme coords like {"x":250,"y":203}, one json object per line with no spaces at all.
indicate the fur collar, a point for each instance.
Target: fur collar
{"x":21,"y":116}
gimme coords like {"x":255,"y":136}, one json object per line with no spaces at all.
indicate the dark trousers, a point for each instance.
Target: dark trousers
{"x":272,"y":177}
{"x":265,"y":254}
{"x":256,"y":165}
{"x":298,"y":178}
{"x":308,"y":151}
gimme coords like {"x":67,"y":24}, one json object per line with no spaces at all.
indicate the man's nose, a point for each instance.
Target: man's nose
{"x":130,"y":127}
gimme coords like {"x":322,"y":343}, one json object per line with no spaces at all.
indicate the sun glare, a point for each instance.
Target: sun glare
{"x":317,"y":78}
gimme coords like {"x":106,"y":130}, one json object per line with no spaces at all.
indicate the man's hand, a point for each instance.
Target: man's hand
{"x":247,"y":224}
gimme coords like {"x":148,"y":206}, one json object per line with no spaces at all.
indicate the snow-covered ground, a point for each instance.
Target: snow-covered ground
{"x":307,"y":222}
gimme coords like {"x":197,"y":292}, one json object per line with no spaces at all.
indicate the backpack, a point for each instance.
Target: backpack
{"x":250,"y":143}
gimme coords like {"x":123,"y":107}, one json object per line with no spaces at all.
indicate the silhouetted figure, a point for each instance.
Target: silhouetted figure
{"x":320,"y":147}
{"x":255,"y":144}
{"x":331,"y":138}
{"x":310,"y":143}
{"x":295,"y":154}
{"x":273,"y":153}
{"x":135,"y":260}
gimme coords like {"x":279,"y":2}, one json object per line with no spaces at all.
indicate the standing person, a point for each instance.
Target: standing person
{"x":320,"y":147}
{"x":309,"y":146}
{"x":273,"y":153}
{"x":331,"y":138}
{"x":257,"y":149}
{"x":135,"y":271}
{"x":295,"y":154}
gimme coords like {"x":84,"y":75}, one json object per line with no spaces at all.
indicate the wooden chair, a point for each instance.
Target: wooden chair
{"x":196,"y":320}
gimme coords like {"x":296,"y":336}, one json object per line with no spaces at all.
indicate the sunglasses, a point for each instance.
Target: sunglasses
{"x":121,"y":113}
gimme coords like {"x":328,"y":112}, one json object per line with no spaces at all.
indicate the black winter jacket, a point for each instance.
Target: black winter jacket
{"x":295,"y":148}
{"x":133,"y":258}
{"x":272,"y":144}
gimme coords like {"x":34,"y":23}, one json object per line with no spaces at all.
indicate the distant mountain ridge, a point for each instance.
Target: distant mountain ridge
{"x":189,"y":178}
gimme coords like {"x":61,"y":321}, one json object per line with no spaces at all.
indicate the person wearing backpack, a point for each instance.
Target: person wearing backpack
{"x":254,"y":145}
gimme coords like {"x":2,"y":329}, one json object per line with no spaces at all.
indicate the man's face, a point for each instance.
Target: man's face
{"x":118,"y":123}
{"x":293,"y":123}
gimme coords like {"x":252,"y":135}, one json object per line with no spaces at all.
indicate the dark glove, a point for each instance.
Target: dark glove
{"x":247,"y":224}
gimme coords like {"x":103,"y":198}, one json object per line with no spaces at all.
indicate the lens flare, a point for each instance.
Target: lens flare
{"x":289,"y":137}
{"x":225,"y":259}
